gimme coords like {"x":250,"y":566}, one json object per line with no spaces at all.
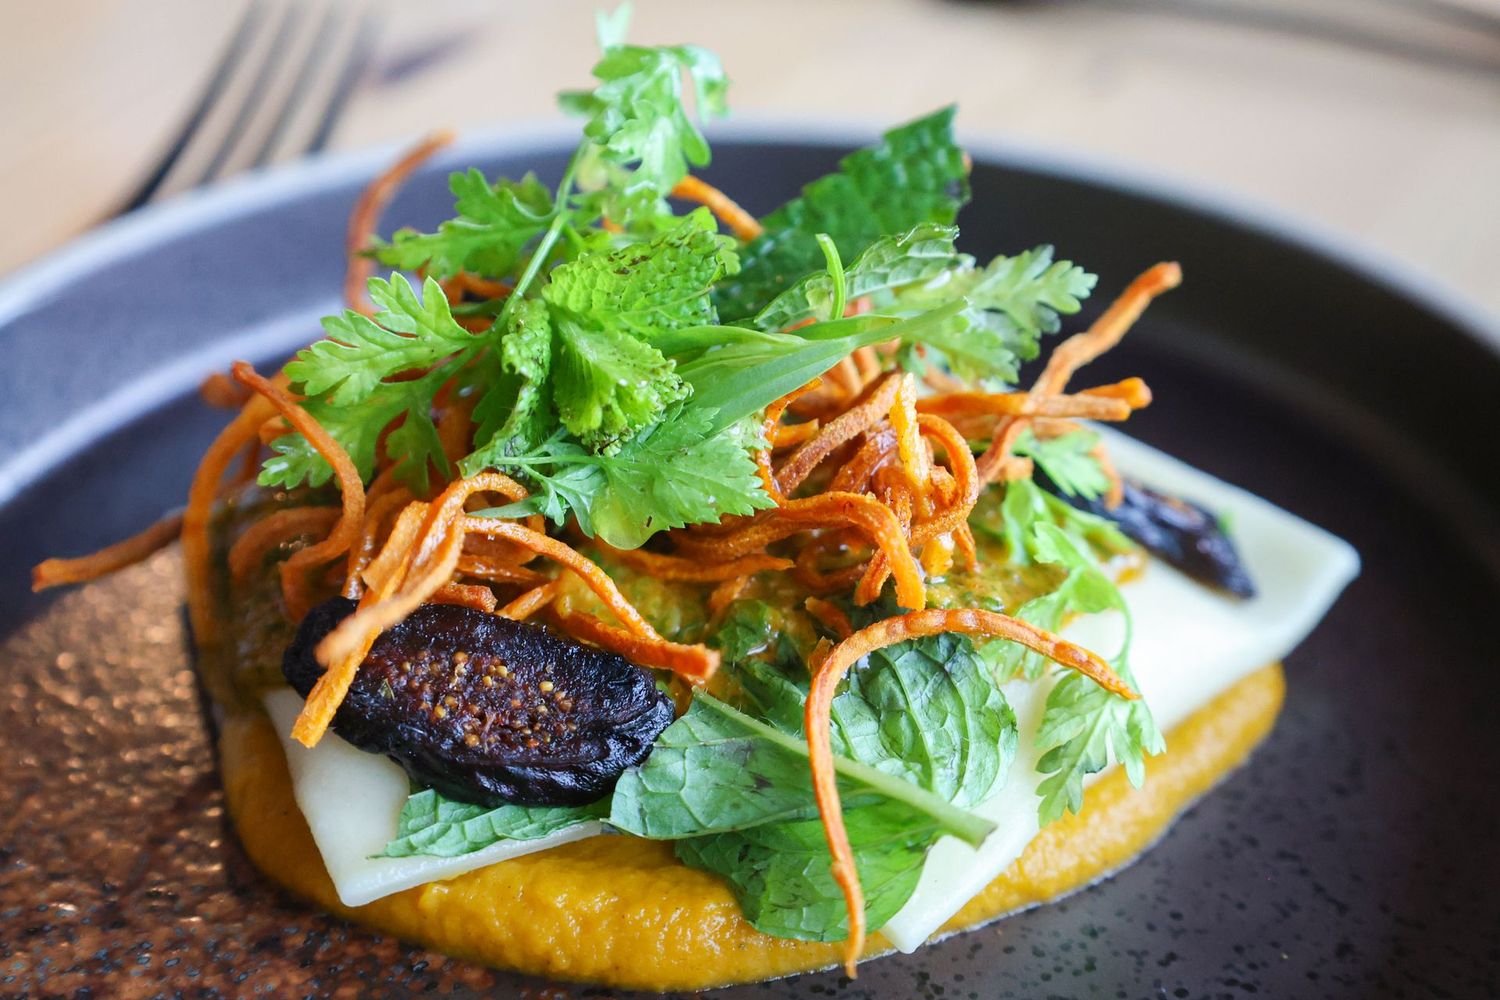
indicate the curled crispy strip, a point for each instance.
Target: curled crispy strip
{"x":1090,"y":404}
{"x":366,"y":215}
{"x":726,"y":594}
{"x":466,"y":595}
{"x":694,"y":663}
{"x":831,"y":670}
{"x":692,"y":570}
{"x":531,"y":602}
{"x":1106,"y":331}
{"x":377,"y":509}
{"x":836,"y":432}
{"x":830,"y":616}
{"x":908,"y":437}
{"x":346,"y":532}
{"x":739,"y":221}
{"x":276,"y":528}
{"x":786,"y":435}
{"x":218,"y":389}
{"x":197,"y":549}
{"x":485,"y":569}
{"x":598,"y":581}
{"x":58,"y":572}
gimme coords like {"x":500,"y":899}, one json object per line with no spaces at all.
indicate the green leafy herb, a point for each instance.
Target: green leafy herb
{"x":915,"y":175}
{"x":433,"y":825}
{"x":495,"y":223}
{"x":1068,"y":461}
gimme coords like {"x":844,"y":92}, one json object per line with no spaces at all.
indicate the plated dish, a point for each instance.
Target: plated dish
{"x":751,"y":857}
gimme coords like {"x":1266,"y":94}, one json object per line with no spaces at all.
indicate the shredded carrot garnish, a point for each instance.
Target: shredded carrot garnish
{"x":366,"y":215}
{"x":466,"y":595}
{"x":830,"y":616}
{"x":739,"y":221}
{"x":531,"y":602}
{"x":273,"y":530}
{"x":351,"y":488}
{"x":837,"y":432}
{"x":831,"y":670}
{"x":59,"y":572}
{"x":693,"y":663}
{"x":663,"y":567}
{"x":218,"y":389}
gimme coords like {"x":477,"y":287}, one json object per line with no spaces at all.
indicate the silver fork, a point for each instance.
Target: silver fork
{"x":283,"y":80}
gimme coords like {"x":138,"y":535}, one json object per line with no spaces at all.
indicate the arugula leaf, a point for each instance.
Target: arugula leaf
{"x":717,"y":769}
{"x":495,"y":222}
{"x":916,"y":174}
{"x":1068,"y":461}
{"x":917,"y":255}
{"x":407,"y":332}
{"x":435,"y":826}
{"x":781,"y":875}
{"x":645,"y":288}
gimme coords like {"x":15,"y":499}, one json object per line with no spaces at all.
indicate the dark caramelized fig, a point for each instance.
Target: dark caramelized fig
{"x":489,"y":710}
{"x":1183,"y":534}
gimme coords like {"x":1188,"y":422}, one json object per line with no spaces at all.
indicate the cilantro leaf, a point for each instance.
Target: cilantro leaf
{"x":515,"y":413}
{"x":433,"y":825}
{"x":916,"y":174}
{"x":659,"y":285}
{"x":407,"y":332}
{"x":1068,"y":461}
{"x":917,"y":255}
{"x":356,"y":428}
{"x":494,"y":224}
{"x":607,"y":384}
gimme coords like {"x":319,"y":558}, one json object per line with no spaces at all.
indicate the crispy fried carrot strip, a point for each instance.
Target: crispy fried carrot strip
{"x":197,"y":549}
{"x":831,"y":670}
{"x":58,"y":572}
{"x":531,"y":602}
{"x":1007,"y":431}
{"x":366,"y":216}
{"x":908,"y":437}
{"x":466,"y":595}
{"x":726,"y":594}
{"x":693,"y":663}
{"x":879,"y":448}
{"x":346,"y":532}
{"x":598,"y":581}
{"x":377,"y":509}
{"x":692,"y":570}
{"x":786,"y":435}
{"x":1106,"y":331}
{"x":770,"y":423}
{"x":830,"y":616}
{"x":484,"y":569}
{"x":1087,"y":405}
{"x":836,"y":432}
{"x":277,"y":528}
{"x":218,"y":389}
{"x":739,"y":221}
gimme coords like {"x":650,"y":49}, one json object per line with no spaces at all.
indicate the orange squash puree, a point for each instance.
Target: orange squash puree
{"x":623,"y":911}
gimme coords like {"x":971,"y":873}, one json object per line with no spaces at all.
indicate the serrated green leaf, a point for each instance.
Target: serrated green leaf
{"x":433,"y":825}
{"x":495,"y":223}
{"x":1068,"y":461}
{"x":515,"y":415}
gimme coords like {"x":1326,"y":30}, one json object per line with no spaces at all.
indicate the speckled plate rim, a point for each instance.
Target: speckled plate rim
{"x":198,"y":210}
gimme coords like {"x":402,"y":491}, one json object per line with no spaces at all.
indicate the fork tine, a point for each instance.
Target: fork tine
{"x":234,"y":52}
{"x":275,"y":55}
{"x":354,"y":64}
{"x":291,"y":102}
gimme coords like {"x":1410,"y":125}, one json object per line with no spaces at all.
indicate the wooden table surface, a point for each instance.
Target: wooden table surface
{"x":1392,"y":139}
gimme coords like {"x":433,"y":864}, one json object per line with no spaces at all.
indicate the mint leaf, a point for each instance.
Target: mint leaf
{"x":781,"y":876}
{"x":916,"y":174}
{"x":407,"y":332}
{"x":918,"y":255}
{"x":433,"y":825}
{"x":717,"y":769}
{"x":495,"y":222}
{"x":648,"y":287}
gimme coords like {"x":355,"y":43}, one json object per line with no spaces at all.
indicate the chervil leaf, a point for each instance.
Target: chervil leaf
{"x":515,"y":414}
{"x":916,"y":174}
{"x":607,"y":384}
{"x":432,"y":825}
{"x":647,"y":288}
{"x":407,"y":332}
{"x":781,"y":873}
{"x":918,"y":255}
{"x":495,"y":222}
{"x":1068,"y":461}
{"x":356,"y":428}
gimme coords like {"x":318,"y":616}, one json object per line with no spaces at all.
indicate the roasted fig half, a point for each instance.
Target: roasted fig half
{"x":489,"y":710}
{"x":1182,"y":533}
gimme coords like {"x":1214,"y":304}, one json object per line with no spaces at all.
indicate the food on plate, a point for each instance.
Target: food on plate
{"x":656,"y":595}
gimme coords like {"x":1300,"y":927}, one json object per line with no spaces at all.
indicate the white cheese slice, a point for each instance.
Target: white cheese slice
{"x":1190,"y":644}
{"x":352,"y":799}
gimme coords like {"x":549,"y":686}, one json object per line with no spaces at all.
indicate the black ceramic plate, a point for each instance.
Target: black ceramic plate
{"x":1355,"y":856}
